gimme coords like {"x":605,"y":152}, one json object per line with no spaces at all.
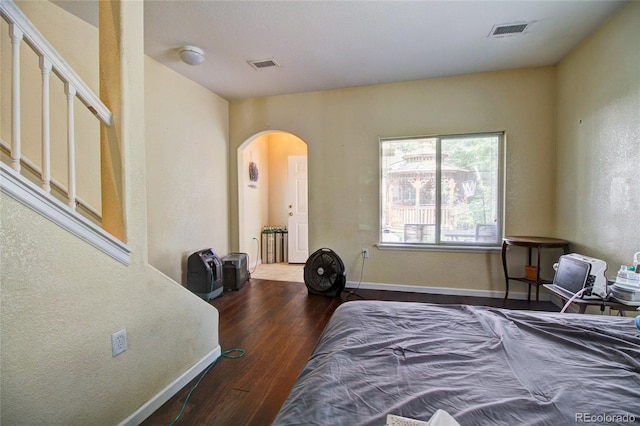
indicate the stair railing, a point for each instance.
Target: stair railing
{"x":13,"y":182}
{"x":22,"y":30}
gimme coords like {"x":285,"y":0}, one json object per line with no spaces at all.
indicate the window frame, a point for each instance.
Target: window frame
{"x":439,"y":245}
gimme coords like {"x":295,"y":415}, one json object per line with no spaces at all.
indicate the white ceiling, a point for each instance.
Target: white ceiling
{"x":323,"y":45}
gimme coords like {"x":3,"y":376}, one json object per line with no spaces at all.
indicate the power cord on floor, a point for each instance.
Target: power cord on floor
{"x":257,"y":255}
{"x":232,"y":354}
{"x":353,"y":292}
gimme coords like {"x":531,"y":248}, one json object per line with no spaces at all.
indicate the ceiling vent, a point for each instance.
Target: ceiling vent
{"x":504,"y":30}
{"x":265,"y":63}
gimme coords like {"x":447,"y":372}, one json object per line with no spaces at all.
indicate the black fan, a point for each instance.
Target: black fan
{"x":324,"y":273}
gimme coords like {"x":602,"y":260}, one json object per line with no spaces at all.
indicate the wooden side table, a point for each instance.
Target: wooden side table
{"x":530,"y":243}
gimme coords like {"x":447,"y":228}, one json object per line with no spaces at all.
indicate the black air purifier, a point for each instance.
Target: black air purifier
{"x":204,"y":274}
{"x":235,"y":270}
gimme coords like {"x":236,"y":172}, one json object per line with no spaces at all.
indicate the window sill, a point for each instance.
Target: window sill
{"x":440,"y":248}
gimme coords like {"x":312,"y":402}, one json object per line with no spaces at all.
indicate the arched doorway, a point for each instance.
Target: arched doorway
{"x":264,"y":197}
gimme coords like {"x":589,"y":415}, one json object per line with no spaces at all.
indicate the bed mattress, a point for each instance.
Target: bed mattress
{"x":482,"y":365}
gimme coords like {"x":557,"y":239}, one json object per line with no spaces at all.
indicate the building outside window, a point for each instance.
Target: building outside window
{"x":442,"y":190}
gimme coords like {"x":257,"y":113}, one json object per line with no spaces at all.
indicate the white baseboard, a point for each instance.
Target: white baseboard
{"x":494,"y":294}
{"x":164,"y":395}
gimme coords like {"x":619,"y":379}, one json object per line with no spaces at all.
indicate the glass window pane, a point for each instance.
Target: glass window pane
{"x":462,"y":208}
{"x":470,"y":189}
{"x":408,"y":190}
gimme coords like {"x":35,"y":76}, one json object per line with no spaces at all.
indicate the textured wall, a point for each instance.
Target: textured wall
{"x":342,"y":129}
{"x":61,"y":300}
{"x":598,"y":195}
{"x":187,"y":132}
{"x":254,"y":196}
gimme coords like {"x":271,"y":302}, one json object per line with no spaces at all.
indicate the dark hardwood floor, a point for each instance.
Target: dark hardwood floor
{"x":278,"y":324}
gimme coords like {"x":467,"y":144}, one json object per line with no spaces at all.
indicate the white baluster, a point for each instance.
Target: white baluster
{"x":45,"y":66}
{"x":16,"y":39}
{"x":71,"y":145}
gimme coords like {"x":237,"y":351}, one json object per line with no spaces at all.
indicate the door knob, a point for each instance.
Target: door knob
{"x":290,"y":213}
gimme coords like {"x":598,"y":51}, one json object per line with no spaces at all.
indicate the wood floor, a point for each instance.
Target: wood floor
{"x":278,"y":324}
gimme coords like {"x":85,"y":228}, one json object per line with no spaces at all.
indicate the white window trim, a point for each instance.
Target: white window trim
{"x":449,"y":247}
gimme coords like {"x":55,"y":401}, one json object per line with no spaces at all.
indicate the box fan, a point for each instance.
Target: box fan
{"x":324,"y":273}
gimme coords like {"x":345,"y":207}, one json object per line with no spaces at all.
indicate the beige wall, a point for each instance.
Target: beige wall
{"x":254,"y":196}
{"x":598,"y":171}
{"x":61,"y":299}
{"x":187,"y":133}
{"x":342,"y":129}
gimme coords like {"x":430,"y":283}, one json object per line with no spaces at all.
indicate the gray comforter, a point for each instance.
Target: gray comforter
{"x":484,"y":366}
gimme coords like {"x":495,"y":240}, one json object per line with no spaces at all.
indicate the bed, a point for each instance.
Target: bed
{"x":482,"y":365}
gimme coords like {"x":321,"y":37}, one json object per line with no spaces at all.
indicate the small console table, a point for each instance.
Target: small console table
{"x":530,"y":243}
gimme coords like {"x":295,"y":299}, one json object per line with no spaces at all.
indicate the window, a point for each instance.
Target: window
{"x":441,"y":191}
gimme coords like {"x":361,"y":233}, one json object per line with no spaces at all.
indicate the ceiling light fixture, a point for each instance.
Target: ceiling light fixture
{"x":191,"y":55}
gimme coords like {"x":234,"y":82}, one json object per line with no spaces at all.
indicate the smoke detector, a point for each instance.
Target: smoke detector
{"x":264,"y":63}
{"x":504,"y":30}
{"x":191,"y":55}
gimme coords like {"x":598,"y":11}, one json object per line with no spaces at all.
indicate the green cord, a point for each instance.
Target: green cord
{"x":231,"y":354}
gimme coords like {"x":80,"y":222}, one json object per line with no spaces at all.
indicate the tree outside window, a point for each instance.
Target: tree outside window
{"x":442,"y":190}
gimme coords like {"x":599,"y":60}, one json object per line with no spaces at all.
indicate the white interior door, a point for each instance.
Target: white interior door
{"x":298,"y":223}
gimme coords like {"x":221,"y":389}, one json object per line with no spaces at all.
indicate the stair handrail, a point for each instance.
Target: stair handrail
{"x":14,"y":16}
{"x":35,"y":170}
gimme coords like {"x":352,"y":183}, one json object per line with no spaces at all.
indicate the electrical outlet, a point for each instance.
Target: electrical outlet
{"x":365,"y":253}
{"x":119,"y":342}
